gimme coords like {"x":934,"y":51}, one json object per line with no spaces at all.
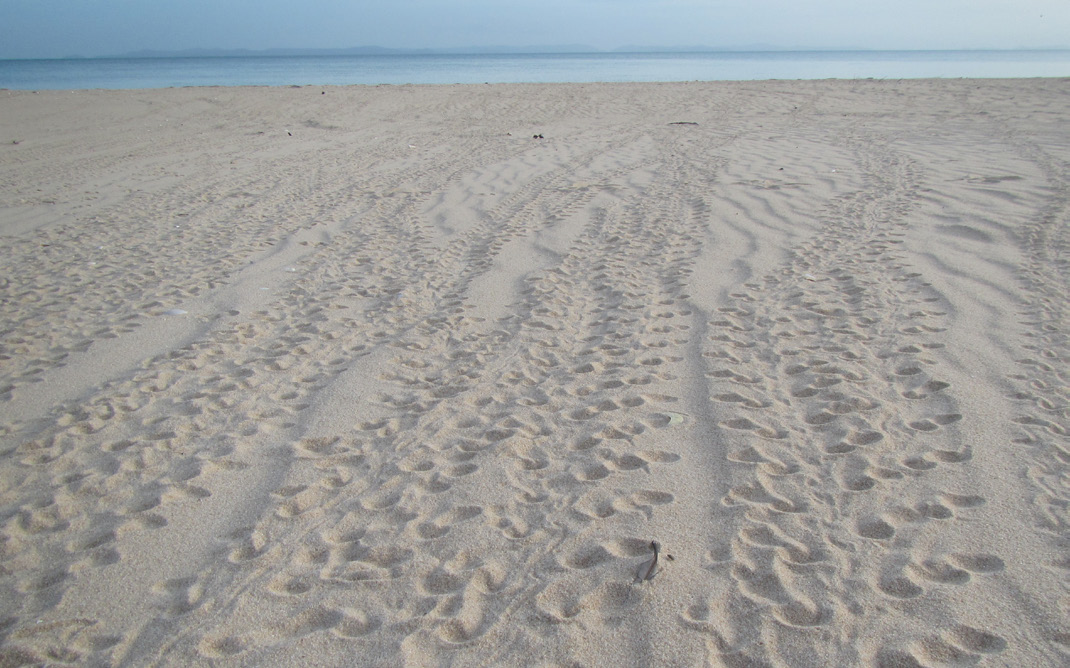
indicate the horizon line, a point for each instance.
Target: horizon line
{"x":214,"y":52}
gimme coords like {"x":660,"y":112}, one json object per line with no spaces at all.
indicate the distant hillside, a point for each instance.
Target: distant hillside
{"x":353,"y":51}
{"x":503,"y":50}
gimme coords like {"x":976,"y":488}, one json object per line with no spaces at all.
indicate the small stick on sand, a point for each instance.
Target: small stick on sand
{"x":649,"y":568}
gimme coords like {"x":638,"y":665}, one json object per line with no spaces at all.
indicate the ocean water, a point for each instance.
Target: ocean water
{"x":521,"y":68}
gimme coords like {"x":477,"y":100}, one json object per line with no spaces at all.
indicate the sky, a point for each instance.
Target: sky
{"x":59,"y":28}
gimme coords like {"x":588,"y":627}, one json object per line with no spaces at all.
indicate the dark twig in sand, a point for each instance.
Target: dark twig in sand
{"x":649,"y":568}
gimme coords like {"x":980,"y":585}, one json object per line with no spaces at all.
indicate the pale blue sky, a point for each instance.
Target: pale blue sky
{"x":55,"y":28}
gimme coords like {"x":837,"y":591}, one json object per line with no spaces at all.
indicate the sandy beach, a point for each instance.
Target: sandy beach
{"x":414,"y":375}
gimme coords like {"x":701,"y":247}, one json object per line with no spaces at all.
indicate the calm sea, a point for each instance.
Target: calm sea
{"x":519,"y":68}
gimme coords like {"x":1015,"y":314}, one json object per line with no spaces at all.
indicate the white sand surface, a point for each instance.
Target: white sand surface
{"x":371,"y":376}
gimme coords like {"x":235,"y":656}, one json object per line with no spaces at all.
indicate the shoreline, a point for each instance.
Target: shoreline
{"x":937,"y":81}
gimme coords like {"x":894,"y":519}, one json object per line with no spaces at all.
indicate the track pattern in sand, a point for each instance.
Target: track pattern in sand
{"x":286,"y":374}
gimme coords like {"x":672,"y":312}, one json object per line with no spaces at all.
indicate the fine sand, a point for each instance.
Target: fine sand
{"x":371,"y":376}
